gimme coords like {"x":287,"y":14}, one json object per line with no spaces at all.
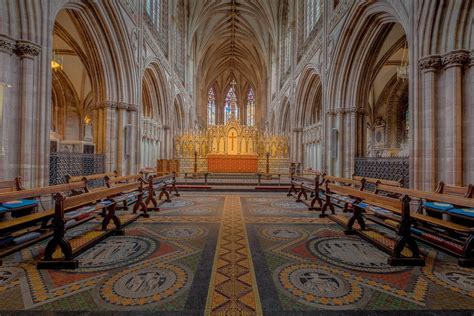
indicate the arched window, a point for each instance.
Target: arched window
{"x":251,"y":108}
{"x":312,"y":14}
{"x":211,"y":107}
{"x":230,"y":105}
{"x":156,"y":11}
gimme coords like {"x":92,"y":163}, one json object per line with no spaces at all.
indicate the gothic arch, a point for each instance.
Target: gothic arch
{"x":308,"y":98}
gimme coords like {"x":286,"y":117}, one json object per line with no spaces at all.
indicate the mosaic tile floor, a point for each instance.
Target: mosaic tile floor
{"x":231,"y":254}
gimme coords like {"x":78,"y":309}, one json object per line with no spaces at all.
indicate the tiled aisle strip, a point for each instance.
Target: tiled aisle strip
{"x":233,"y":289}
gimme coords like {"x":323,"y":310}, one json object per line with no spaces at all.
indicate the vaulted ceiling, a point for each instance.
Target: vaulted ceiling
{"x":232,"y":36}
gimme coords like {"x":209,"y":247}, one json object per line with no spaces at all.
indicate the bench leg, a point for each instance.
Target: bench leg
{"x":356,"y":216}
{"x":49,"y":263}
{"x":165,"y":193}
{"x":142,"y":205}
{"x":175,"y":189}
{"x":302,"y":192}
{"x":292,"y":187}
{"x":313,"y":202}
{"x":397,"y":259}
{"x":467,"y":258}
{"x":111,"y":216}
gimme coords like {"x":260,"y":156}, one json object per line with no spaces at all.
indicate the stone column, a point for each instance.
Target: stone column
{"x":340,"y":141}
{"x":107,"y":115}
{"x":328,"y":166}
{"x":352,"y":141}
{"x":121,"y":138}
{"x":7,"y":49}
{"x":27,"y":154}
{"x":468,"y":114}
{"x":133,"y":141}
{"x":429,"y":66}
{"x":453,"y":63}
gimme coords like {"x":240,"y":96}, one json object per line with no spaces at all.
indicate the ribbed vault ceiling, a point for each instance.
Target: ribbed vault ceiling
{"x":233,"y":36}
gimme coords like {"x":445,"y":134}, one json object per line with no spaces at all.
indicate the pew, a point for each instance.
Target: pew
{"x":132,"y":196}
{"x":340,"y":200}
{"x":18,"y":233}
{"x":11,"y":185}
{"x":454,"y":238}
{"x":91,"y":179}
{"x":163,"y":186}
{"x":303,"y":185}
{"x":393,"y":213}
{"x":441,"y":209}
{"x":60,"y":252}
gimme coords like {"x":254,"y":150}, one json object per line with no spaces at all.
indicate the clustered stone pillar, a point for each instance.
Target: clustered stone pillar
{"x":429,"y":67}
{"x":7,"y":50}
{"x":453,"y":63}
{"x":29,"y":152}
{"x":440,"y":155}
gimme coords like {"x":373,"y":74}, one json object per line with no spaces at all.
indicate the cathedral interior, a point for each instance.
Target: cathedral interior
{"x":333,"y":141}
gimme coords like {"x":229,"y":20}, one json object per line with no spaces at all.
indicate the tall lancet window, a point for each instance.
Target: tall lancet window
{"x":211,"y":107}
{"x":230,"y":106}
{"x":251,"y":108}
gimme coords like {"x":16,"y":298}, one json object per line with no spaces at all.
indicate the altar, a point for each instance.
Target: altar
{"x":232,"y":163}
{"x":231,"y":148}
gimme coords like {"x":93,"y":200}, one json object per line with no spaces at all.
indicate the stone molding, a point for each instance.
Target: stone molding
{"x":26,"y":49}
{"x":297,"y":130}
{"x":471,"y":56}
{"x":455,"y":58}
{"x":133,"y":108}
{"x":430,"y":63}
{"x":7,"y":45}
{"x":122,"y":106}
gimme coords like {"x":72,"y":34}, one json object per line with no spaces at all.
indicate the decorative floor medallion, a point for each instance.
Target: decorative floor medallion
{"x":352,"y":253}
{"x":116,"y":252}
{"x":320,"y":288}
{"x":233,"y":289}
{"x":182,"y":232}
{"x":153,"y":282}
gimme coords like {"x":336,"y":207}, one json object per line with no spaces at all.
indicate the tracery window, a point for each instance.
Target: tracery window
{"x":211,"y":107}
{"x":251,"y":108}
{"x":156,"y":11}
{"x":230,"y":108}
{"x":285,"y":56}
{"x":312,"y":14}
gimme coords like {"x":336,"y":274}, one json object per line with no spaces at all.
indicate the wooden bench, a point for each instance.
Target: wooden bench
{"x":340,"y":200}
{"x":304,"y":185}
{"x":91,"y":179}
{"x":395,"y":215}
{"x":11,"y":185}
{"x":161,"y":186}
{"x":60,"y":251}
{"x":372,"y":183}
{"x":33,"y":227}
{"x":454,"y":238}
{"x":133,"y":196}
{"x":435,"y":208}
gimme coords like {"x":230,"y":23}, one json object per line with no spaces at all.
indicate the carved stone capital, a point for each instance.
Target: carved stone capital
{"x":26,"y":49}
{"x":122,"y":106}
{"x":7,"y":45}
{"x":133,"y":108}
{"x":430,"y":63}
{"x":455,"y":58}
{"x":340,"y":111}
{"x":331,"y":112}
{"x":471,"y":56}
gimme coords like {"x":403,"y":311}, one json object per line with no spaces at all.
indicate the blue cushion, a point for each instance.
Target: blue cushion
{"x":380,"y":210}
{"x":362,"y":205}
{"x":438,"y":206}
{"x":3,"y":209}
{"x":468,"y":212}
{"x":20,"y":203}
{"x":416,"y":231}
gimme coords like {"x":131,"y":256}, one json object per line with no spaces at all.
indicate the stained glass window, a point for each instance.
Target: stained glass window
{"x":211,"y":107}
{"x":251,"y":108}
{"x":228,"y":105}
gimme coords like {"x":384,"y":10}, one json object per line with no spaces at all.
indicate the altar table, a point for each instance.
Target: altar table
{"x":232,"y":163}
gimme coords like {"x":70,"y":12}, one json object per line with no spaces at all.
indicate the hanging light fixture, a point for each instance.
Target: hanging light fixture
{"x":57,"y":61}
{"x":402,"y":70}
